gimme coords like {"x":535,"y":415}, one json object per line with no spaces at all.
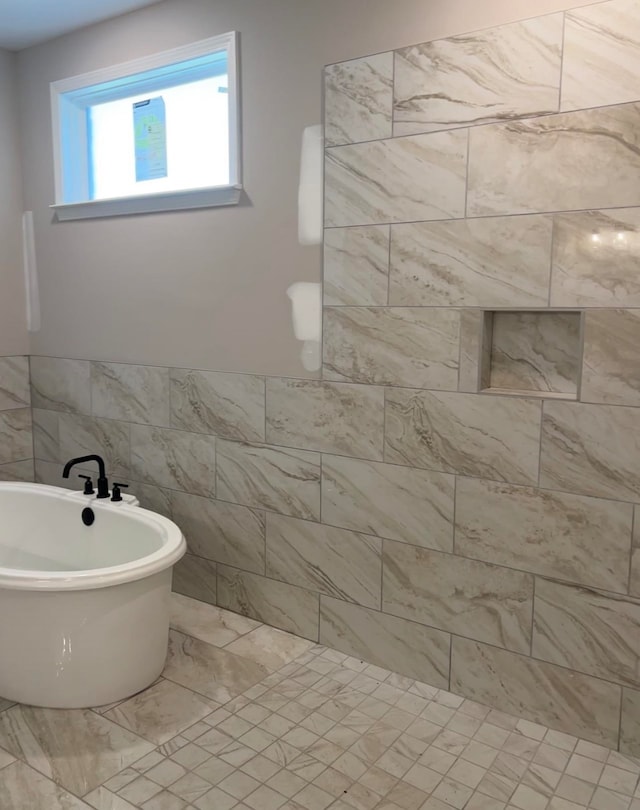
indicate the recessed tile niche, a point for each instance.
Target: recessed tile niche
{"x":531,"y":353}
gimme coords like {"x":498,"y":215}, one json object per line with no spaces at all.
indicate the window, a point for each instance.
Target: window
{"x":160,"y":133}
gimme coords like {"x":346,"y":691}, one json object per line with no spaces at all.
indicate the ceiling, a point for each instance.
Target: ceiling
{"x":27,"y":22}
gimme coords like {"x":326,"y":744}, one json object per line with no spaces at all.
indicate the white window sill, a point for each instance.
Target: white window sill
{"x":149,"y":203}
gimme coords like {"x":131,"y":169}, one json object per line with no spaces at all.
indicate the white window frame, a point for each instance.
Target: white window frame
{"x":73,"y":114}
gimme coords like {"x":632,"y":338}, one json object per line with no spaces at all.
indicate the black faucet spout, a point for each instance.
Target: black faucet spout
{"x":103,"y":484}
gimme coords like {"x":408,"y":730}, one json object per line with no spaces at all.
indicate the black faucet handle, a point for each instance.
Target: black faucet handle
{"x":88,"y":484}
{"x":116,"y":495}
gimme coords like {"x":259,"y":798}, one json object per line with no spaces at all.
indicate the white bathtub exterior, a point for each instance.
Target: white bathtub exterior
{"x":85,"y":621}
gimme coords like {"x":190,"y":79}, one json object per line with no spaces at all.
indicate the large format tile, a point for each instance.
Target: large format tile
{"x":22,"y":788}
{"x":476,"y":334}
{"x":16,"y":435}
{"x":332,"y":561}
{"x":270,"y":647}
{"x":492,"y":262}
{"x":329,"y":417}
{"x":396,"y":180}
{"x":595,"y":259}
{"x":45,"y":738}
{"x":610,"y":372}
{"x":276,"y":603}
{"x":491,"y":75}
{"x":211,"y":671}
{"x":220,"y":531}
{"x":510,"y":164}
{"x":208,"y":623}
{"x":195,"y":577}
{"x":358,"y":100}
{"x":392,"y":346}
{"x":228,"y":405}
{"x":409,"y":505}
{"x":544,"y":693}
{"x":356,"y":266}
{"x":275,"y":478}
{"x":634,"y":581}
{"x":461,"y":596}
{"x":630,"y":723}
{"x":574,"y":456}
{"x":490,"y":437}
{"x":601,"y":55}
{"x":550,"y":533}
{"x":46,"y":438}
{"x":131,"y":393}
{"x":82,"y":435}
{"x":14,"y":382}
{"x":387,"y":641}
{"x":174,"y":459}
{"x":60,"y":385}
{"x":18,"y":471}
{"x":587,"y":630}
{"x":161,"y":712}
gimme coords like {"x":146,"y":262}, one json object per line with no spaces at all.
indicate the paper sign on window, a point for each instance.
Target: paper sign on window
{"x":150,"y":133}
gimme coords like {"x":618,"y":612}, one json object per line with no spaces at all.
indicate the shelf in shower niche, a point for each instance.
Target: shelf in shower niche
{"x":531,"y":353}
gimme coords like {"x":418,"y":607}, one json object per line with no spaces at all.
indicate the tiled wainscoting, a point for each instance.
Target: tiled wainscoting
{"x":395,"y":510}
{"x":16,"y":444}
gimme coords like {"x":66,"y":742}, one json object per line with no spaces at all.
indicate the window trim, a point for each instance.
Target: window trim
{"x":144,"y":203}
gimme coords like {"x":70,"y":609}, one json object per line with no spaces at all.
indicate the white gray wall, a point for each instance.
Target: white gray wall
{"x":13,"y":333}
{"x":206,"y":289}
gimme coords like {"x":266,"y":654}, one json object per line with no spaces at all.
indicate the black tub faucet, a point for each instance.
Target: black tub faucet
{"x":103,"y":484}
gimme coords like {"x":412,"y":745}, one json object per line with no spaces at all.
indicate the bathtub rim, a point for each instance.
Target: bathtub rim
{"x":173,"y":548}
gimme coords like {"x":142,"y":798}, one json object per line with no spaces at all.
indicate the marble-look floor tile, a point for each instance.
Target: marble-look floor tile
{"x":595,"y":259}
{"x":274,"y":478}
{"x":396,"y":180}
{"x":630,"y":723}
{"x":161,"y":712}
{"x":131,"y":393}
{"x":195,"y":577}
{"x":407,"y":647}
{"x":46,"y":439}
{"x":14,"y":382}
{"x":535,"y":351}
{"x":610,"y":373}
{"x":221,"y":531}
{"x":494,"y":604}
{"x":228,"y":405}
{"x":492,"y":262}
{"x":601,"y":55}
{"x":509,"y":164}
{"x":60,"y":385}
{"x":588,"y":631}
{"x":358,"y":100}
{"x":399,"y":503}
{"x":22,"y":788}
{"x":491,"y":75}
{"x":392,"y":346}
{"x":211,"y":671}
{"x":634,"y":580}
{"x":44,"y":737}
{"x":16,"y":435}
{"x":208,"y":623}
{"x":332,"y":561}
{"x":328,"y":417}
{"x":82,"y":435}
{"x":489,"y":437}
{"x":544,"y":693}
{"x":18,"y":471}
{"x":575,"y":458}
{"x":269,"y":647}
{"x":356,"y":266}
{"x":279,"y":604}
{"x":174,"y":459}
{"x":103,"y":799}
{"x":550,"y":533}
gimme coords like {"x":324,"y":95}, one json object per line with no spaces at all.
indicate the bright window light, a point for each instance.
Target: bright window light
{"x":159,"y":133}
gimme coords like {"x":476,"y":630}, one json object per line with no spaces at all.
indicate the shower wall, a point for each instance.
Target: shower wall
{"x":16,"y":447}
{"x":455,"y":498}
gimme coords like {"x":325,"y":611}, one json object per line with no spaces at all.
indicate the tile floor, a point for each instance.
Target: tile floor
{"x":246,"y":717}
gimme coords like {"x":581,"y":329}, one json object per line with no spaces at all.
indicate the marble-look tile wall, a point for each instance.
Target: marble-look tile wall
{"x":16,"y":438}
{"x":394,"y":509}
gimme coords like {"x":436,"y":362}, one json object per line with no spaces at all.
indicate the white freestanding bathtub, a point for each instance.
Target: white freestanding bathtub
{"x":84,"y":610}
